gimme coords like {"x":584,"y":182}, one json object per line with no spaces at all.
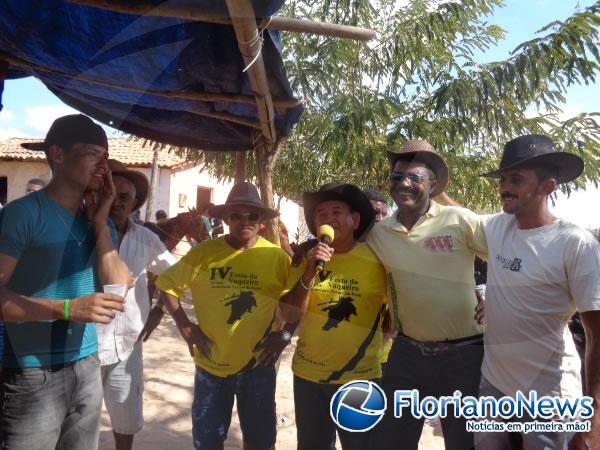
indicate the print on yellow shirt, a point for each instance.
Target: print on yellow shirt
{"x":340,"y":334}
{"x":235,"y":295}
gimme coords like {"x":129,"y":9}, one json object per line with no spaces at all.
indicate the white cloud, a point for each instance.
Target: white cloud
{"x":6,"y":115}
{"x":40,"y":118}
{"x":7,"y":133}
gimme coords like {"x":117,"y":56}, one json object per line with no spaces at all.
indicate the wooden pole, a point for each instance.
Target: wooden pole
{"x":190,"y":12}
{"x":154,"y":182}
{"x":241,"y":161}
{"x":3,"y":73}
{"x":265,"y":163}
{"x":250,"y":45}
{"x":282,"y":103}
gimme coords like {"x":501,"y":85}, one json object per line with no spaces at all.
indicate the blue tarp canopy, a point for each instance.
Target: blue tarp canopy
{"x":80,"y":53}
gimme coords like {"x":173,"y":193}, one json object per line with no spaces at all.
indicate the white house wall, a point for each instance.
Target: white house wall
{"x":166,"y":197}
{"x":187,"y":181}
{"x":18,"y":173}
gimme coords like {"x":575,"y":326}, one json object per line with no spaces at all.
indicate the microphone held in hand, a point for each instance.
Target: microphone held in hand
{"x":324,"y":235}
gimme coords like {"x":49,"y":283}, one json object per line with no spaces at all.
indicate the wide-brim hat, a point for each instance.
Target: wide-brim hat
{"x":68,"y":130}
{"x":419,"y":150}
{"x":347,"y":193}
{"x":242,"y":195}
{"x":138,"y":179}
{"x":538,"y":150}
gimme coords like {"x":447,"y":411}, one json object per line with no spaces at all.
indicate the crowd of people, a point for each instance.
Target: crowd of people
{"x":389,"y":298}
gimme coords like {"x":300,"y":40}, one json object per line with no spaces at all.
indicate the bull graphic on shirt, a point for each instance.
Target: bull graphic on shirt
{"x":338,"y":310}
{"x":240,"y":305}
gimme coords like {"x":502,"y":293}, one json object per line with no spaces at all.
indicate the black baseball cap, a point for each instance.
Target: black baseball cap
{"x":68,"y":130}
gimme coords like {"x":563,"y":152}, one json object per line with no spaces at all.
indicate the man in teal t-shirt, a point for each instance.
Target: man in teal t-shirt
{"x":54,"y":251}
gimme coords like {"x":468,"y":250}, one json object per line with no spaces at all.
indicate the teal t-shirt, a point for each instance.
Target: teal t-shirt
{"x":56,"y":259}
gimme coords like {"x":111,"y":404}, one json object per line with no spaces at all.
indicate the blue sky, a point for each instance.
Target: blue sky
{"x":29,"y":108}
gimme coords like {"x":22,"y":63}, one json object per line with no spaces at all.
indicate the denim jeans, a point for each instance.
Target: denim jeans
{"x":516,"y":441}
{"x":254,"y":390}
{"x":51,"y":408}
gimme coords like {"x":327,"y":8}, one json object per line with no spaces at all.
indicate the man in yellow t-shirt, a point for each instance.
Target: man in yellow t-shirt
{"x":236,"y":282}
{"x":340,"y":310}
{"x":428,"y":251}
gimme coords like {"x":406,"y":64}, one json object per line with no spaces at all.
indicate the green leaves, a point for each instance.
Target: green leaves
{"x":421,"y":79}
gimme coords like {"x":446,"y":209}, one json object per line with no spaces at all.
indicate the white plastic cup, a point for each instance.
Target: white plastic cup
{"x":481,"y":289}
{"x":117,"y":289}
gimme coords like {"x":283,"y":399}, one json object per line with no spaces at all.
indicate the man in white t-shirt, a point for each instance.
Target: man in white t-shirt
{"x":541,"y":269}
{"x":119,"y":343}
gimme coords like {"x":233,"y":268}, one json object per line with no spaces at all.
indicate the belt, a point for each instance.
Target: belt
{"x":434,"y":348}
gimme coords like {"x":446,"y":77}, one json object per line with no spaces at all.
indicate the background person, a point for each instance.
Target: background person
{"x":35,"y":184}
{"x":119,"y":346}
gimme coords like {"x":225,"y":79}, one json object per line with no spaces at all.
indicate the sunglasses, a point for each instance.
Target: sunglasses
{"x":415,"y":178}
{"x":251,"y":216}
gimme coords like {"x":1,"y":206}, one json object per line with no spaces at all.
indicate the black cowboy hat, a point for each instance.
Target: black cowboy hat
{"x":242,"y":195}
{"x":538,"y":150}
{"x":347,"y":193}
{"x":419,"y":150}
{"x":139,"y":180}
{"x":68,"y":130}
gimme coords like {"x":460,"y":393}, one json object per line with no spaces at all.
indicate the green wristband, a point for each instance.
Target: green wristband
{"x":66,"y":309}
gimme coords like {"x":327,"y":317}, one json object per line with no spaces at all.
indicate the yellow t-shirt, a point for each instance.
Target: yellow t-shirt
{"x":340,"y":333}
{"x":430,"y":267}
{"x":235,"y":295}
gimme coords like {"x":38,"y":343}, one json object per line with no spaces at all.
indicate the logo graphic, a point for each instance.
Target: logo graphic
{"x":338,"y":311}
{"x":510,"y":264}
{"x":358,"y":406}
{"x":240,"y":305}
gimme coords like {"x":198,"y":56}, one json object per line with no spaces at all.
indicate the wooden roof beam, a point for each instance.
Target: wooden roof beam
{"x":282,"y":103}
{"x":191,"y":12}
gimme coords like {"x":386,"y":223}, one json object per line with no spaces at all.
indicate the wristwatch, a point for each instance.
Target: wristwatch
{"x":286,"y":336}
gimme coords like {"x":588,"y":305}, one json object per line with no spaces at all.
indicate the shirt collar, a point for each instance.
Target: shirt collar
{"x":392,"y":222}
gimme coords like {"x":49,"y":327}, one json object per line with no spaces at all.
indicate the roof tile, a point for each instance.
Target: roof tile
{"x":133,"y":153}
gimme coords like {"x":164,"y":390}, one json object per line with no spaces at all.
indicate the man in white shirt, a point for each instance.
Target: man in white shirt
{"x":120,"y":350}
{"x":541,"y":269}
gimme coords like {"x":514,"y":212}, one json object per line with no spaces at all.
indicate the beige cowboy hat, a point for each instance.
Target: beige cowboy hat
{"x":419,"y":150}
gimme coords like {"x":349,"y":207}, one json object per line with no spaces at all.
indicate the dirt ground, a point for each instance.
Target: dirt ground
{"x":169,"y":375}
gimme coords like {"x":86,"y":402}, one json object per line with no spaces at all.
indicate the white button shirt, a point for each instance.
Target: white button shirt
{"x":143,"y":252}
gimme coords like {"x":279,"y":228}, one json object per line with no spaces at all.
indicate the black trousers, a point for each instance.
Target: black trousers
{"x":408,"y":368}
{"x":315,"y":429}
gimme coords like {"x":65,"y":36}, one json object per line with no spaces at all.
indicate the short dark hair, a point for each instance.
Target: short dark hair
{"x":374,"y":195}
{"x":160,"y":214}
{"x":37,"y":182}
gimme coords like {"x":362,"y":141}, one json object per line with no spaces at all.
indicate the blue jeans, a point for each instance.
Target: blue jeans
{"x":213,"y":403}
{"x":51,"y":408}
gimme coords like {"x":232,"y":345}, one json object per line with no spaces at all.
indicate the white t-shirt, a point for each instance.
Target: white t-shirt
{"x":536,"y":280}
{"x":143,"y":252}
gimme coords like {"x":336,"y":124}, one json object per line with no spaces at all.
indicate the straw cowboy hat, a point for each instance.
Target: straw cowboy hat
{"x":242,"y":195}
{"x":419,"y":150}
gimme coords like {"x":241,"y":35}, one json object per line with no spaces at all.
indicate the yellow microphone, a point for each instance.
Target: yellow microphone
{"x":324,"y":235}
